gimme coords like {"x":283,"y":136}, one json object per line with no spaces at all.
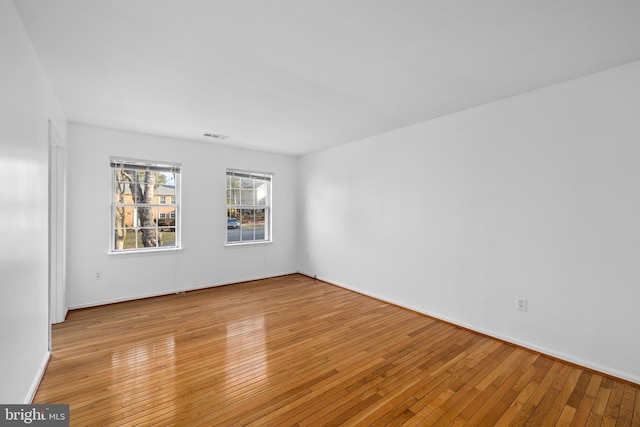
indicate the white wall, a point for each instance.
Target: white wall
{"x":26,"y":105}
{"x":536,"y":196}
{"x":205,"y":261}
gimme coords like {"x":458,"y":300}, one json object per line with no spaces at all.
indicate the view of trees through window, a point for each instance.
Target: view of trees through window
{"x":248,"y":207}
{"x":144,"y":210}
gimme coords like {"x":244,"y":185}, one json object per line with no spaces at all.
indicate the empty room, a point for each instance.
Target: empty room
{"x":290,"y":212}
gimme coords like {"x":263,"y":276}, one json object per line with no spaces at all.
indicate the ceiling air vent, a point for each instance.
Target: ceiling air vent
{"x":216,"y":136}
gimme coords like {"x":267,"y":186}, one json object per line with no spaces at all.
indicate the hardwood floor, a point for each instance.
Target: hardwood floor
{"x":295,"y":351}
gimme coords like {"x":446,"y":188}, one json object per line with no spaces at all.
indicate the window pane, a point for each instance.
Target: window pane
{"x":166,"y":194}
{"x":262,"y":191}
{"x":247,"y":197}
{"x":253,"y":225}
{"x":121,"y":193}
{"x":166,"y":178}
{"x":247,"y":194}
{"x":136,"y":192}
{"x":259,"y":217}
{"x":260,"y":225}
{"x":233,"y":235}
{"x":168,"y":237}
{"x":124,"y":175}
{"x":121,"y":189}
{"x":233,"y":197}
{"x":235,"y":182}
{"x":246,"y":218}
{"x":126,"y":216}
{"x":147,"y":216}
{"x":234,"y":228}
{"x":148,"y":237}
{"x":247,"y":183}
{"x":167,"y":221}
{"x":129,"y":238}
{"x":164,"y":215}
{"x":233,"y":214}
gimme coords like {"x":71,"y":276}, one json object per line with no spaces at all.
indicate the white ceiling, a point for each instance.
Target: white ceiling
{"x":297,"y":76}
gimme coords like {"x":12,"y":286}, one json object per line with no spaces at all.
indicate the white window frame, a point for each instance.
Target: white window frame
{"x":267,"y":206}
{"x":145,"y":165}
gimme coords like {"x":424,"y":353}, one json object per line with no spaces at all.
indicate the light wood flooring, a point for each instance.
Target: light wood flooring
{"x":293,"y":351}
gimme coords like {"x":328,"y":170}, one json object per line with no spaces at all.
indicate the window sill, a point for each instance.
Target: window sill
{"x":241,"y":244}
{"x":154,"y":252}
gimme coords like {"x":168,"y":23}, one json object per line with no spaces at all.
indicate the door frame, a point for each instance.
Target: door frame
{"x":58,"y":306}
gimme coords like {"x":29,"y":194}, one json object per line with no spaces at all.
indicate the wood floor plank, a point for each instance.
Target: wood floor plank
{"x":557,"y":407}
{"x":625,"y":415}
{"x":293,"y":351}
{"x":544,"y":407}
{"x":450,"y":408}
{"x":635,"y":421}
{"x":566,"y":417}
{"x":507,"y":417}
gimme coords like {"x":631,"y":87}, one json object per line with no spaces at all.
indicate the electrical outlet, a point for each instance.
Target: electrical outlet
{"x":98,"y":275}
{"x":521,"y":304}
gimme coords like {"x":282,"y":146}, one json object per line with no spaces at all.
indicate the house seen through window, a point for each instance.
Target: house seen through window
{"x":145,"y":212}
{"x":248,"y":206}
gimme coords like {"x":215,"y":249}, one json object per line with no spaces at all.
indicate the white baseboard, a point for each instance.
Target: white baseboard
{"x":177,"y":290}
{"x":37,"y":379}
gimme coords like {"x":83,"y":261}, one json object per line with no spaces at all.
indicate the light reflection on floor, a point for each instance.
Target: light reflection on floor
{"x":142,"y":363}
{"x":246,"y":341}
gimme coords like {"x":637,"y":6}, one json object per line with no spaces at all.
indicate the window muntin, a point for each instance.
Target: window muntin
{"x":139,"y":219}
{"x":248,"y":206}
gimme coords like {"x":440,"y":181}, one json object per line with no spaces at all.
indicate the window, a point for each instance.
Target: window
{"x":140,"y":192}
{"x":248,"y":206}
